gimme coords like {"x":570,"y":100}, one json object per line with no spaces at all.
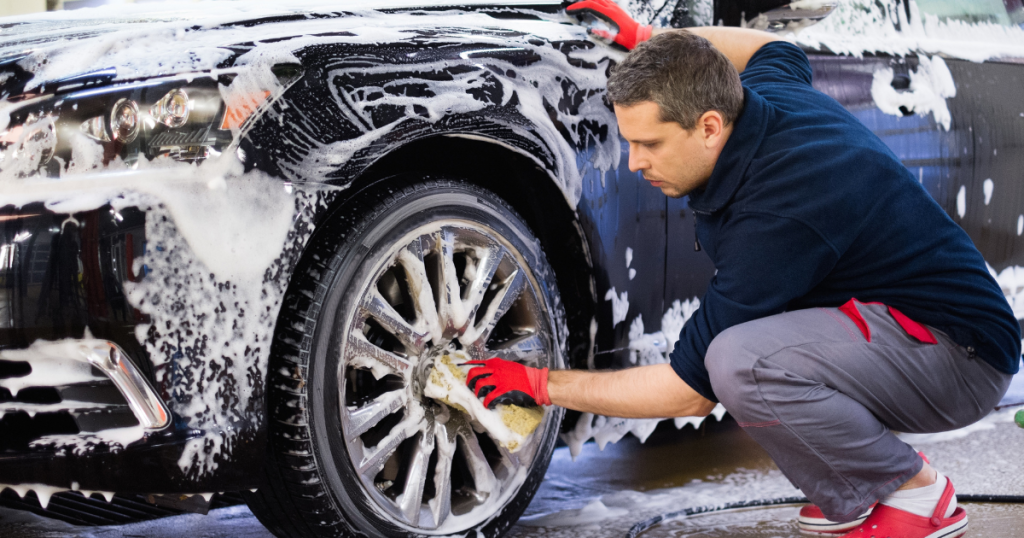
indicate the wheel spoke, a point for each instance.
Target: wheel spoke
{"x":503,"y":301}
{"x":382,"y":311}
{"x":371,"y":464}
{"x":483,"y":476}
{"x":416,"y":477}
{"x":528,"y":348}
{"x":411,"y":260}
{"x":477,"y":288}
{"x":451,"y":312}
{"x":441,"y":504}
{"x":509,"y":461}
{"x":362,"y":354}
{"x":361,"y":419}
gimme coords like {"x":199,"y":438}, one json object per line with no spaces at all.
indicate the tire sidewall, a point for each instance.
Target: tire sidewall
{"x":354,"y":258}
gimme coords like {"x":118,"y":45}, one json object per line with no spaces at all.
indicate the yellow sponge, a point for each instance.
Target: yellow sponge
{"x":507,"y":424}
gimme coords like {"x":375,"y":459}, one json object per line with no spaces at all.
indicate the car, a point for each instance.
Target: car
{"x":236,"y":238}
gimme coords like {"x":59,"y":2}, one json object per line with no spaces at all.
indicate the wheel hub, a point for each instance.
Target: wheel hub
{"x":421,"y":371}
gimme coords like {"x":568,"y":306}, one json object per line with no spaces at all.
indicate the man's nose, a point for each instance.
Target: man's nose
{"x":636,"y":163}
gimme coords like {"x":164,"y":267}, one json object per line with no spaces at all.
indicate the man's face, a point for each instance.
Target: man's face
{"x":671,"y":158}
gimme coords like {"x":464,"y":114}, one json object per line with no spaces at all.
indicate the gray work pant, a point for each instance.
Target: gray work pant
{"x":821,"y":399}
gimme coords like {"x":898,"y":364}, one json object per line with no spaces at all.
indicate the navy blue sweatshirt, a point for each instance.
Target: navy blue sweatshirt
{"x":806,"y":207}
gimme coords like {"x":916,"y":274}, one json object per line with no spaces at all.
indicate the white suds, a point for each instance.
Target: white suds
{"x":53,"y":364}
{"x":859,"y":27}
{"x":593,"y":512}
{"x":629,"y":256}
{"x":988,"y":186}
{"x":930,"y":85}
{"x":632,"y":273}
{"x":115,"y":439}
{"x":1020,"y":224}
{"x":620,"y":305}
{"x":644,"y":349}
{"x":714,"y":491}
{"x":43,"y":491}
{"x":1011,"y":281}
{"x":961,"y":201}
{"x":654,"y":348}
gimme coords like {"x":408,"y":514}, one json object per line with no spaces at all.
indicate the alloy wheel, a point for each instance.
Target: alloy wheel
{"x":447,"y":288}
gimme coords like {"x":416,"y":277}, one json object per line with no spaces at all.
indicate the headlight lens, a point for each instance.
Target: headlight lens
{"x":168,"y":119}
{"x":124,"y":120}
{"x":173,"y":109}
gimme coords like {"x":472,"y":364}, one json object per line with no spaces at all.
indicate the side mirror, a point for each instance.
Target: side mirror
{"x":792,"y":16}
{"x":772,"y":15}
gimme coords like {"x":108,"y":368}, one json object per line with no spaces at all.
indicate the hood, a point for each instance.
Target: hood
{"x":132,"y":41}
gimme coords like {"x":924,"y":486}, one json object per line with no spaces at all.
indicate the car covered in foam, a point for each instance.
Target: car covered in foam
{"x":235,"y":237}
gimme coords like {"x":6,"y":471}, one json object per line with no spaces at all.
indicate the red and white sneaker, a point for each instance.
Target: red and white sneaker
{"x":888,"y":522}
{"x":812,"y":521}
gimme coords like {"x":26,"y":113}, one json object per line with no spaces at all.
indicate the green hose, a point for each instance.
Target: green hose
{"x":1019,"y":418}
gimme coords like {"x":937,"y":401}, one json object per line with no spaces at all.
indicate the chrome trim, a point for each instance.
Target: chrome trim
{"x":107,"y":357}
{"x":7,"y":253}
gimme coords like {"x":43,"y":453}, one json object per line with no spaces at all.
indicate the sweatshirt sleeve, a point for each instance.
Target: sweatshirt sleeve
{"x":764,"y":262}
{"x":777,"y":62}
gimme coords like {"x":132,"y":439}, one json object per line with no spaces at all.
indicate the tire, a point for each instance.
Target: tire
{"x":349,"y":452}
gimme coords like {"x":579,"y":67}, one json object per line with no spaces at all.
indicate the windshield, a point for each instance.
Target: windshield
{"x":1005,"y":12}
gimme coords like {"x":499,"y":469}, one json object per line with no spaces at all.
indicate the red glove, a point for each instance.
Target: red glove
{"x":631,"y":33}
{"x":499,"y":381}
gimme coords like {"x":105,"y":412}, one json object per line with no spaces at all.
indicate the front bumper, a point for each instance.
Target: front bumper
{"x":71,"y":413}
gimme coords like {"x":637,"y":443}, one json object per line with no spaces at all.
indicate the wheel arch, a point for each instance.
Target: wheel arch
{"x":533,"y":193}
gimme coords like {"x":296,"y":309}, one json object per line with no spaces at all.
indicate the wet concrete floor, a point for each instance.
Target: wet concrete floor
{"x":721,"y":464}
{"x":604,"y":493}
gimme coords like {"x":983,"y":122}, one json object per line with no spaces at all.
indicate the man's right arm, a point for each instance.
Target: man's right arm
{"x":737,"y":44}
{"x":654,"y":391}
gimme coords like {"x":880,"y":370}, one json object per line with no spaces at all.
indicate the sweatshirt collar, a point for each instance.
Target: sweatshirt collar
{"x":732,"y":164}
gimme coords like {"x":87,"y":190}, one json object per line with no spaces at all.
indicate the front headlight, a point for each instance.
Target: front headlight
{"x":175,"y":119}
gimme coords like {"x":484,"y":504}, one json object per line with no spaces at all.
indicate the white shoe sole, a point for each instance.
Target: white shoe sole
{"x":953,"y":531}
{"x":819,"y":526}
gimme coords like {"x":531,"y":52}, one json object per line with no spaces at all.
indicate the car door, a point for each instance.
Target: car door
{"x":624,"y":219}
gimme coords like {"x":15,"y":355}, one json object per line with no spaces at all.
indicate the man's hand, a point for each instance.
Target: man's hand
{"x":630,"y":33}
{"x":499,"y":381}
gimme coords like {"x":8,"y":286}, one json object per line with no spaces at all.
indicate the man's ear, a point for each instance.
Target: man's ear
{"x":711,"y":128}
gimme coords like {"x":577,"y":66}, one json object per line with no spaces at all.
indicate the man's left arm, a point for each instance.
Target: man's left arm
{"x":737,"y":44}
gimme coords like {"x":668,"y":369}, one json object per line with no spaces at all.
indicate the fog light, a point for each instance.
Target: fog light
{"x":173,"y":109}
{"x":124,"y":120}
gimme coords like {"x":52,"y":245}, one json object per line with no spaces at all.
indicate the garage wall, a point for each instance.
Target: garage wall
{"x":21,"y":7}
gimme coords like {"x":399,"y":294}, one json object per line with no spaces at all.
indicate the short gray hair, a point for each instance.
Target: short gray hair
{"x":683,"y":74}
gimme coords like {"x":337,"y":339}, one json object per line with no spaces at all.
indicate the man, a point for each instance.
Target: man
{"x":846,"y":302}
